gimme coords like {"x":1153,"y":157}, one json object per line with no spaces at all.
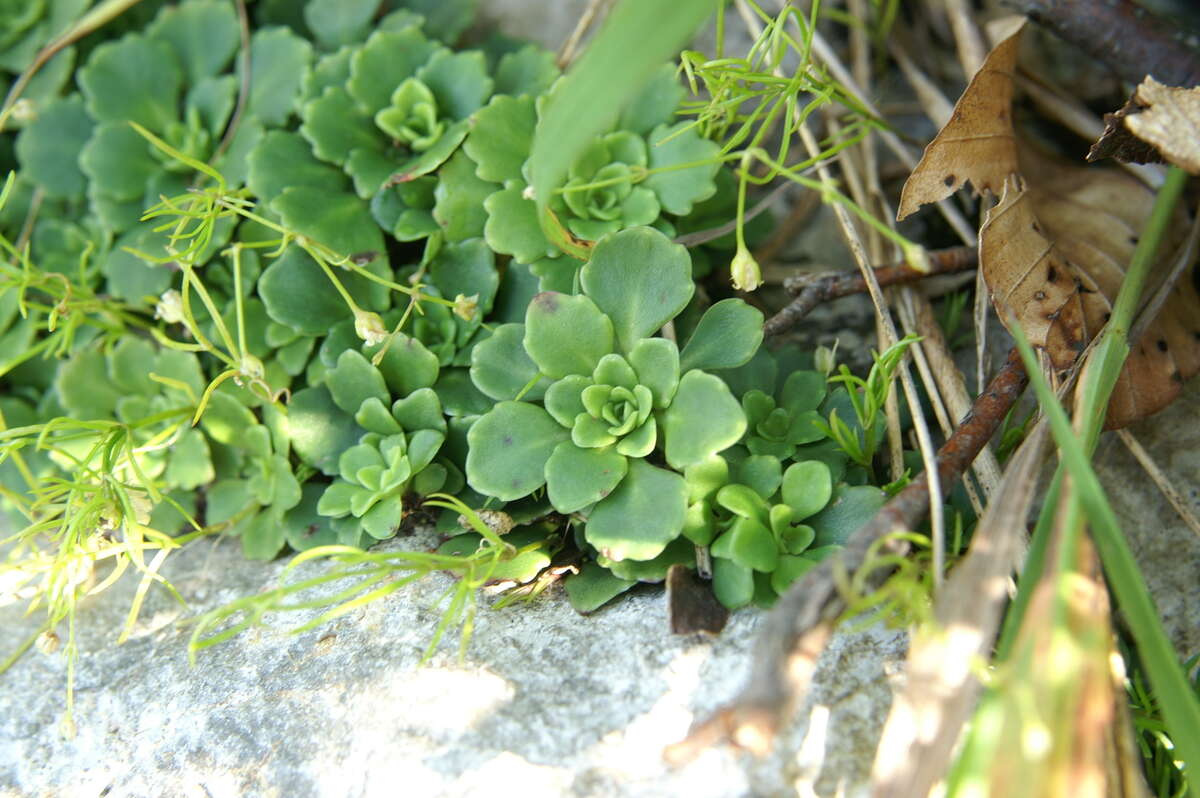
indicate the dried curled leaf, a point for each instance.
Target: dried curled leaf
{"x":977,"y":144}
{"x":1055,"y":255}
{"x":1159,"y":123}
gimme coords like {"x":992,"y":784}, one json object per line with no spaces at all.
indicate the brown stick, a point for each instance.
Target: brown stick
{"x":1125,"y":36}
{"x":796,"y":630}
{"x":811,"y":290}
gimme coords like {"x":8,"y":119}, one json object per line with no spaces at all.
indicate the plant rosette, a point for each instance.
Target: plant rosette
{"x":645,"y":167}
{"x":188,"y":48}
{"x":588,"y":400}
{"x":751,"y":516}
{"x":378,"y":451}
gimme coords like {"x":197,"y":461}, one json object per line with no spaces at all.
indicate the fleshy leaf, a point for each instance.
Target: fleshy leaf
{"x":593,"y":587}
{"x":445,"y":19}
{"x":336,"y":126}
{"x":319,"y":430}
{"x":203,"y":33}
{"x":807,"y":487}
{"x":790,"y":569}
{"x":803,"y":391}
{"x":656,"y":361}
{"x":118,"y":161}
{"x":501,"y":368}
{"x":408,"y":366}
{"x":529,"y":70}
{"x":501,"y":135}
{"x":679,"y":189}
{"x":355,"y":380}
{"x":640,"y":517}
{"x":297,"y":293}
{"x":48,"y":148}
{"x":563,"y":400}
{"x":303,"y":527}
{"x":467,"y":268}
{"x":117,"y":89}
{"x":282,"y":159}
{"x":728,"y":335}
{"x":420,"y":410}
{"x":512,"y":227}
{"x":279,"y":64}
{"x":763,"y":473}
{"x":382,"y":520}
{"x":654,"y":104}
{"x":338,"y":22}
{"x":459,"y":81}
{"x":374,"y":416}
{"x":383,"y":63}
{"x":640,"y":280}
{"x":341,"y":222}
{"x":850,"y":509}
{"x":509,"y":447}
{"x":458,"y":199}
{"x":566,"y":334}
{"x":749,"y":544}
{"x":703,"y":419}
{"x":578,"y":477}
{"x":733,"y":584}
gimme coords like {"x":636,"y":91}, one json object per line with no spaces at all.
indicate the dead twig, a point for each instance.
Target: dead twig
{"x":1132,"y":41}
{"x":811,"y":290}
{"x":796,"y":630}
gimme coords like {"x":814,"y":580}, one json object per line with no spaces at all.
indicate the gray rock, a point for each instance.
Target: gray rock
{"x":545,"y":702}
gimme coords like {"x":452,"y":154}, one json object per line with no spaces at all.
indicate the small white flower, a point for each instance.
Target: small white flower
{"x":170,"y":307}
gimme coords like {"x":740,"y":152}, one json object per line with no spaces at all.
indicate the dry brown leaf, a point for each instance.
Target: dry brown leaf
{"x":1094,"y":216}
{"x":977,"y":144}
{"x":1159,"y":123}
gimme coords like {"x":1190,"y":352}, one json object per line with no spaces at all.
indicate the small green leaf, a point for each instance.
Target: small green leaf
{"x":564,"y":399}
{"x":679,"y":189}
{"x":512,"y":227}
{"x":467,"y":268}
{"x":118,"y":162}
{"x":319,"y":430}
{"x":445,"y":19}
{"x":655,"y":102}
{"x":501,"y":368}
{"x":374,"y":416}
{"x":851,"y":508}
{"x":790,"y":569}
{"x":279,"y":64}
{"x":593,"y":587}
{"x":763,"y":473}
{"x":459,"y":81}
{"x":225,"y":499}
{"x":341,"y":222}
{"x":336,"y":126}
{"x":566,"y":334}
{"x":303,"y":527}
{"x":458,"y":394}
{"x":48,"y":148}
{"x":282,"y":159}
{"x":706,"y":477}
{"x":117,"y":89}
{"x":639,"y":518}
{"x":203,"y":33}
{"x":700,"y":525}
{"x":458,"y":199}
{"x":420,"y":410}
{"x":337,"y":22}
{"x":733,"y":584}
{"x":803,"y":391}
{"x":297,"y":293}
{"x":354,"y":380}
{"x":702,"y":420}
{"x":529,"y":70}
{"x":383,"y":63}
{"x":728,"y":335}
{"x":640,"y":280}
{"x":382,"y":520}
{"x":807,"y":487}
{"x":750,"y":544}
{"x":578,"y":477}
{"x":500,"y":138}
{"x":680,"y":551}
{"x":408,"y":366}
{"x":656,"y":362}
{"x":509,"y":447}
{"x":745,"y":502}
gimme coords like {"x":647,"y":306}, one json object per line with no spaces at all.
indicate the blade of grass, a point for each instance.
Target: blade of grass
{"x":637,"y":37}
{"x":1180,"y":706}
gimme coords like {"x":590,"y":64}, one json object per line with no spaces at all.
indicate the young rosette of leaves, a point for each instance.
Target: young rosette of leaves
{"x":392,"y":448}
{"x":173,"y":81}
{"x":611,"y":396}
{"x":644,"y":168}
{"x":395,"y":109}
{"x":776,"y":425}
{"x":758,"y":521}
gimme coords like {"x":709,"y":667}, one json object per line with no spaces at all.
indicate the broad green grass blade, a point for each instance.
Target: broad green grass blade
{"x":638,"y":36}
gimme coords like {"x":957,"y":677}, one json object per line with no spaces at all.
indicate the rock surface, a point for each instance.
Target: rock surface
{"x":545,"y":702}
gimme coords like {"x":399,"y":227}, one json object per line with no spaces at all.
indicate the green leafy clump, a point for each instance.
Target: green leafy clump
{"x":589,"y":394}
{"x":643,"y":170}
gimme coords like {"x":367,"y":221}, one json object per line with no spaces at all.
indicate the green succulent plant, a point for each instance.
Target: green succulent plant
{"x":644,"y":168}
{"x":611,"y":395}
